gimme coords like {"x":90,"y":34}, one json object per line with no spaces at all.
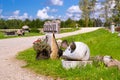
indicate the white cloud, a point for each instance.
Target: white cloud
{"x":53,"y":10}
{"x":98,"y":6}
{"x":74,"y":12}
{"x":1,"y":16}
{"x":43,"y":13}
{"x":57,"y":2}
{"x":16,"y":15}
{"x":24,"y":16}
{"x":74,"y":9}
{"x":69,"y":14}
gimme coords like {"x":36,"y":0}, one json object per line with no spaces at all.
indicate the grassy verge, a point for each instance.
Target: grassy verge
{"x":101,"y":42}
{"x":65,"y":30}
{"x":3,"y":36}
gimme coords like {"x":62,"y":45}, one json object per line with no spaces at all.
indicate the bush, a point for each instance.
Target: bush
{"x":34,"y":30}
{"x":42,"y":49}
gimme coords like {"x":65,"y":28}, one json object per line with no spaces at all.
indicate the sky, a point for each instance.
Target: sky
{"x":42,"y":9}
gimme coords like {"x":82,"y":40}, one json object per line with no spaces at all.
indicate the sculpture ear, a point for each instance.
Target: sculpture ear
{"x":72,"y":46}
{"x":64,"y":44}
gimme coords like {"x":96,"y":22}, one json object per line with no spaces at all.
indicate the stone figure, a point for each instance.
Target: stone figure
{"x":76,"y":51}
{"x":56,"y":51}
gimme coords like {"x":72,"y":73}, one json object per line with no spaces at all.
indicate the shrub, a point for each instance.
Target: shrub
{"x":42,"y":49}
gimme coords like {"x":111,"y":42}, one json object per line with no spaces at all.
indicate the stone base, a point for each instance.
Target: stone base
{"x":74,"y":64}
{"x":119,"y":34}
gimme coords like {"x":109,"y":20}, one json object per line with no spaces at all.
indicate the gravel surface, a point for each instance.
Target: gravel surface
{"x":11,"y":68}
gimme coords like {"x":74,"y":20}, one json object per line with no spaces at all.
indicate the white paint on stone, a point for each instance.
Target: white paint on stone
{"x":81,"y":52}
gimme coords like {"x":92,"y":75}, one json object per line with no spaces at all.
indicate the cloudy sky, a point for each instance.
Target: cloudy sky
{"x":43,"y":9}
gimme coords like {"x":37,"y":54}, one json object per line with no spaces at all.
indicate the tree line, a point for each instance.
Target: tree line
{"x":86,"y":6}
{"x":17,"y":24}
{"x":37,"y":23}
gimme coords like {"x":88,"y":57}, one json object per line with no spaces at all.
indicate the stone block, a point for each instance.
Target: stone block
{"x":74,"y":64}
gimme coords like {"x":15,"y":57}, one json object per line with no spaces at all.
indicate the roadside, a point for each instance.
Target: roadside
{"x":10,"y":68}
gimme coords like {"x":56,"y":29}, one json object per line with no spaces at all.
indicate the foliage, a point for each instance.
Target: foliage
{"x":65,"y":30}
{"x":101,"y":42}
{"x":68,"y":23}
{"x":37,"y":23}
{"x":35,"y":30}
{"x":17,"y":24}
{"x":87,"y":7}
{"x":40,"y":45}
{"x":3,"y":36}
{"x":42,"y":49}
{"x":115,"y":12}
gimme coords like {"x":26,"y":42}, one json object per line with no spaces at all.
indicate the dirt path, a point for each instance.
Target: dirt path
{"x":10,"y":68}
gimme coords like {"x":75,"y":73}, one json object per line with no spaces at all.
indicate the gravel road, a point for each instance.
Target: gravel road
{"x":10,"y":67}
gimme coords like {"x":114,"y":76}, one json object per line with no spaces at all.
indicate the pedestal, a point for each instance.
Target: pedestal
{"x":74,"y":64}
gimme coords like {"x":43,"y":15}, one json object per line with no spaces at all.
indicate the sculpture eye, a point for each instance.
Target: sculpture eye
{"x":69,"y":49}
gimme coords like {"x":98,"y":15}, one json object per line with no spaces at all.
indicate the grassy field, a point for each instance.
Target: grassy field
{"x":101,"y":42}
{"x":3,"y":36}
{"x":68,"y":30}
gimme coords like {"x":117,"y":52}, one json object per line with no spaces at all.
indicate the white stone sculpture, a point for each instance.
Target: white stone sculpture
{"x":77,"y":51}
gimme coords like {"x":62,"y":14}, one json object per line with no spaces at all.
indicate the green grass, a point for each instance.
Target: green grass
{"x":65,"y":30}
{"x":101,"y":42}
{"x":3,"y":36}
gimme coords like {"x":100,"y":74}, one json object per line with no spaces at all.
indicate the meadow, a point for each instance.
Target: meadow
{"x":100,"y":42}
{"x":3,"y":36}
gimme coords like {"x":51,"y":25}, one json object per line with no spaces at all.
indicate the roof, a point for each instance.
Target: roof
{"x":25,"y":27}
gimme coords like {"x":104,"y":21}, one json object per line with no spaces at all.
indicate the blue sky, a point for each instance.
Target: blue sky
{"x":43,"y":9}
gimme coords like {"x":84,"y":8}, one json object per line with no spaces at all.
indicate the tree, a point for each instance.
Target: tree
{"x":70,"y":23}
{"x":86,"y":6}
{"x":81,"y":23}
{"x":92,"y":10}
{"x":116,"y":16}
{"x":27,"y":22}
{"x":62,"y":24}
{"x":83,"y":5}
{"x":117,"y":7}
{"x":92,"y":7}
{"x":3,"y":24}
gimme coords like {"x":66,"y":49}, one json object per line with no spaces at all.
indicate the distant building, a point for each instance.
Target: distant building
{"x":52,"y":26}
